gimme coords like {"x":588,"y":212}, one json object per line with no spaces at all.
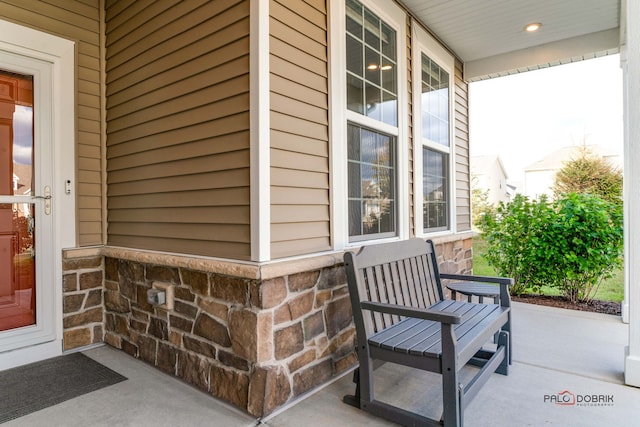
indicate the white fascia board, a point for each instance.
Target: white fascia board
{"x":585,"y":46}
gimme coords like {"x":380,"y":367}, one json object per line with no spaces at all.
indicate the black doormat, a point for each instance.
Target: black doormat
{"x":39,"y":385}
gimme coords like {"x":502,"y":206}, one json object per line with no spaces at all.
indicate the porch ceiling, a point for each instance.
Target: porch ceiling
{"x":489,"y":37}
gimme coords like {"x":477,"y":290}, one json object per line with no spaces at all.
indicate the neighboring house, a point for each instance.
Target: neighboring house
{"x":539,"y":177}
{"x":229,"y":152}
{"x":488,"y":173}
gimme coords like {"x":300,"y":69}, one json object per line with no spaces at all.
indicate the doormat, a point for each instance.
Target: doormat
{"x":36,"y":386}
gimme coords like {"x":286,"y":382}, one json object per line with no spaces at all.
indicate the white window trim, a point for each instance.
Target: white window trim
{"x":424,"y":43}
{"x":393,"y":15}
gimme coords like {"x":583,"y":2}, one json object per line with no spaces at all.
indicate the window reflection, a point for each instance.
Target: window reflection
{"x":435,"y":189}
{"x":372,"y":186}
{"x":435,"y":102}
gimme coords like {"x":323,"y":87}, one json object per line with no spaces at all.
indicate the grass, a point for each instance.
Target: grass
{"x":610,"y":290}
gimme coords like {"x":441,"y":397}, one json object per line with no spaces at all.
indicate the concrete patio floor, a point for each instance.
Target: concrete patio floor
{"x":555,"y":350}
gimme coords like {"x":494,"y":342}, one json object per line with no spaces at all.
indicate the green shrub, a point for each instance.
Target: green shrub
{"x":583,"y":245}
{"x":570,"y":244}
{"x":510,"y":232}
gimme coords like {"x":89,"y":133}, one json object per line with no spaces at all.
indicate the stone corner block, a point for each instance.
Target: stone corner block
{"x":269,"y":389}
{"x":251,"y":334}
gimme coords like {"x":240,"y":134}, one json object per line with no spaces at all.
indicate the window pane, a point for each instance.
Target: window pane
{"x":435,"y":102}
{"x":372,"y":183}
{"x":371,"y":53}
{"x":372,"y":61}
{"x":385,"y":149}
{"x":355,"y":94}
{"x":355,"y":218}
{"x":368,"y":147}
{"x":388,"y":37}
{"x":389,"y":108}
{"x":373,"y":96}
{"x":354,"y":180}
{"x":388,"y":76}
{"x":353,"y":138}
{"x":354,"y":56}
{"x":387,"y":217}
{"x":371,"y":29}
{"x":435,"y":187}
{"x":354,"y":18}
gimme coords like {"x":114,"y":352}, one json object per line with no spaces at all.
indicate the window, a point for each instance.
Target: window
{"x":371,"y":183}
{"x":433,"y":135}
{"x":435,"y":190}
{"x":371,"y":65}
{"x":372,"y":74}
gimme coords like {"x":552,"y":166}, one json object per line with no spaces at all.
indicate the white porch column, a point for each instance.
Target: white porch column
{"x":260,"y":130}
{"x":632,"y":184}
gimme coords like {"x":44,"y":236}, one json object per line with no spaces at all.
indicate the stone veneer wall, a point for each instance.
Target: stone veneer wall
{"x":83,"y":309}
{"x":253,"y":336}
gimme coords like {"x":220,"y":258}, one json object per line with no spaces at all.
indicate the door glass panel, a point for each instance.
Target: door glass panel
{"x":17,"y":260}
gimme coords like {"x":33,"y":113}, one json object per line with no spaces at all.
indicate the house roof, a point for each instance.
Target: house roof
{"x":489,"y":37}
{"x":482,"y":165}
{"x":558,"y":158}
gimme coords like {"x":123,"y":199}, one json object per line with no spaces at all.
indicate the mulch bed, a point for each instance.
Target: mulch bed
{"x":596,"y":306}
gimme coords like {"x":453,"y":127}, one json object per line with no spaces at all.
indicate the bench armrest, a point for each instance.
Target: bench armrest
{"x":483,"y":279}
{"x":418,"y":313}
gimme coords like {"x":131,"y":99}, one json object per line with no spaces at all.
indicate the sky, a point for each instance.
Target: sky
{"x":526,"y":116}
{"x":22,"y":135}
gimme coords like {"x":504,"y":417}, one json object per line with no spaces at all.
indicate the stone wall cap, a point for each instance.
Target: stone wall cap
{"x":244,"y":269}
{"x":82,"y":252}
{"x":247,"y":270}
{"x":287,"y":267}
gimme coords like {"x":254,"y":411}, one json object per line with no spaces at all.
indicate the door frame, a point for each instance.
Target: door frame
{"x":60,"y":53}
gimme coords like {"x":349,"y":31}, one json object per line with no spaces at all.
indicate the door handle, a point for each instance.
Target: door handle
{"x":46,"y":198}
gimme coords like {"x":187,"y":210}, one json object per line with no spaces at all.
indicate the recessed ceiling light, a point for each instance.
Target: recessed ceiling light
{"x":386,"y":67}
{"x":534,"y":26}
{"x":372,"y":67}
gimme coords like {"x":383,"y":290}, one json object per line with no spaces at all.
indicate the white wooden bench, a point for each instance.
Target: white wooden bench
{"x":401,"y":316}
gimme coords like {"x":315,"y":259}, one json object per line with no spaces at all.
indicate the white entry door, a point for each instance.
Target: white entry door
{"x":37,"y":202}
{"x":26,"y":200}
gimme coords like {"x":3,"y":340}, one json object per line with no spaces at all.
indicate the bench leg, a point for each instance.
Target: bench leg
{"x":453,"y":410}
{"x":504,"y":340}
{"x":451,"y":396}
{"x":507,"y":329}
{"x":354,"y":399}
{"x":363,"y":377}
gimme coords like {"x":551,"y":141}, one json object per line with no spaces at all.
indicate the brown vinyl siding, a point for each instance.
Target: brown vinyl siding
{"x":80,"y":22}
{"x":178,"y":126}
{"x":412,"y":205}
{"x":300,"y":220}
{"x":462,"y":178}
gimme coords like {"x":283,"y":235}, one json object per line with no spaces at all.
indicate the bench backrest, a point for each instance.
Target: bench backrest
{"x":403,"y":273}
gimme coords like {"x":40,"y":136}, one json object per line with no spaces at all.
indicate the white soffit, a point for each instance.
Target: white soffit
{"x":489,"y":37}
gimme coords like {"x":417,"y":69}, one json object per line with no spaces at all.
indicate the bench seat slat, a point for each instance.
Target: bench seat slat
{"x":468,"y":330}
{"x":394,"y":330}
{"x":433,"y":348}
{"x":403,"y":338}
{"x":422,"y":337}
